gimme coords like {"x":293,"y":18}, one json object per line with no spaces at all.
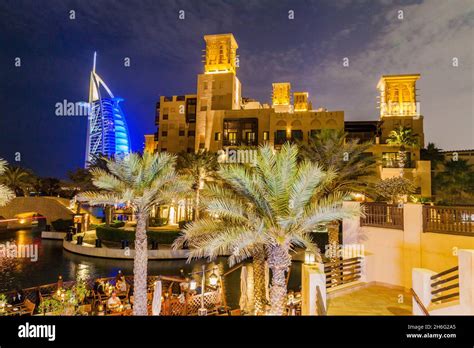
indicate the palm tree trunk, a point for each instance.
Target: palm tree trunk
{"x":108,"y":215}
{"x":140,"y":267}
{"x":197,"y":200}
{"x":333,"y":240}
{"x":259,"y":282}
{"x":402,"y":157}
{"x":279,"y":260}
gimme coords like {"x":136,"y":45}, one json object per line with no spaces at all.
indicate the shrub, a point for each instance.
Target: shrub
{"x":163,"y":237}
{"x":394,"y":188}
{"x":62,"y":225}
{"x":182,"y":224}
{"x":157,"y":222}
{"x":112,"y":234}
{"x":117,"y":224}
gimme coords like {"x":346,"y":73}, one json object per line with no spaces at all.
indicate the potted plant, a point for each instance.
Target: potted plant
{"x":52,"y":305}
{"x":3,"y":302}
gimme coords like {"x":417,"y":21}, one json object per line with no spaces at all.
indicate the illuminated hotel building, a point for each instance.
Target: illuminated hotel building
{"x":107,"y":131}
{"x":218,"y":117}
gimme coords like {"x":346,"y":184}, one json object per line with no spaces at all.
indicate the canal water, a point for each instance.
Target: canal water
{"x":53,"y":260}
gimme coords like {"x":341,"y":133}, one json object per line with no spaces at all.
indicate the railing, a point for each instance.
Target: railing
{"x":442,"y":282}
{"x":343,"y":271}
{"x":418,"y":301}
{"x":451,"y":220}
{"x":190,"y":304}
{"x":172,"y":304}
{"x":382,"y":215}
{"x":320,"y":307}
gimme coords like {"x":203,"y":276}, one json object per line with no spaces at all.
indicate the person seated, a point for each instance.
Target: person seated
{"x":113,"y":302}
{"x":18,"y":297}
{"x":121,"y":285}
{"x":119,"y":276}
{"x":99,"y":287}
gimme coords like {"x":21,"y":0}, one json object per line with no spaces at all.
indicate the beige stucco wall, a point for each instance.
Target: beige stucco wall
{"x":439,"y":250}
{"x":392,"y":254}
{"x":384,"y":253}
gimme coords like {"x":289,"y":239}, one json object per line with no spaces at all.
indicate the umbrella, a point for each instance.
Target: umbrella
{"x":156,"y":304}
{"x":243,"y":288}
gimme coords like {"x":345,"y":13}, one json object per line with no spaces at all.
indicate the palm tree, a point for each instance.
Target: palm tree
{"x":456,"y":183}
{"x":141,"y":182}
{"x":221,"y":232}
{"x":5,"y":193}
{"x":432,"y":154}
{"x":51,"y":186}
{"x":403,"y":137}
{"x":355,"y":168}
{"x":18,"y":179}
{"x":278,"y":208}
{"x":200,"y":167}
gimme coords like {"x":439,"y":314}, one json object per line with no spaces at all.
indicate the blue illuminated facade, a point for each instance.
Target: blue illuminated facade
{"x":107,"y":131}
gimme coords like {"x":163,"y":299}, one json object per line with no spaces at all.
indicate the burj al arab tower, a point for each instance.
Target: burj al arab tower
{"x":107,"y":131}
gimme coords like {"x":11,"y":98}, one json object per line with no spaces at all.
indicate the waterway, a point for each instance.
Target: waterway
{"x":53,"y":260}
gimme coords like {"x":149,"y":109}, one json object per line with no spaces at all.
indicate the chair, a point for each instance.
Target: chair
{"x":28,"y":307}
{"x":235,"y":312}
{"x":87,"y":308}
{"x":124,"y":295}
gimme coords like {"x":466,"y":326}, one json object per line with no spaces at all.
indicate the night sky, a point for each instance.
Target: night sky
{"x":56,"y":58}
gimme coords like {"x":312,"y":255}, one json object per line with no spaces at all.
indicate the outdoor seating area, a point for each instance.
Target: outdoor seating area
{"x":103,"y":297}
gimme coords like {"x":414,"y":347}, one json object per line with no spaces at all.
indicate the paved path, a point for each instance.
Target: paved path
{"x":371,"y":300}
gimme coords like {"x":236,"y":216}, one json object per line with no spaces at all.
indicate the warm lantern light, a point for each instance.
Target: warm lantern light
{"x":309,"y":258}
{"x":213,"y":279}
{"x":192,"y":285}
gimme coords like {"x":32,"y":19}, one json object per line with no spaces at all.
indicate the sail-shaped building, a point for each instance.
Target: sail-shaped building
{"x":107,"y":131}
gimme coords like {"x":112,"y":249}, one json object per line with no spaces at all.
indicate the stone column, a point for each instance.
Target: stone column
{"x":466,"y":280}
{"x":422,"y":286}
{"x":351,"y":227}
{"x":312,"y":277}
{"x":412,"y":230}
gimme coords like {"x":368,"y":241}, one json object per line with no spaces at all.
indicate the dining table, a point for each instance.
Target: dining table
{"x":12,"y":310}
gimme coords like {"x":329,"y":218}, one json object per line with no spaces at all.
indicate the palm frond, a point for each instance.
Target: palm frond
{"x":6,"y":195}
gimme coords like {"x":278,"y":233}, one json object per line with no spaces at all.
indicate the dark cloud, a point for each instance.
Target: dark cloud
{"x":165,"y":53}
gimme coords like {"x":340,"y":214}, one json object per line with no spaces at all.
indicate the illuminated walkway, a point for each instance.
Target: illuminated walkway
{"x":371,"y":300}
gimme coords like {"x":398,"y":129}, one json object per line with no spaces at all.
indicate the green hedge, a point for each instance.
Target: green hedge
{"x":116,"y":224}
{"x":157,"y":222}
{"x":116,"y":235}
{"x":61,"y":225}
